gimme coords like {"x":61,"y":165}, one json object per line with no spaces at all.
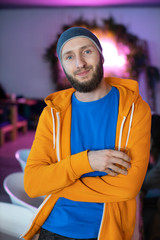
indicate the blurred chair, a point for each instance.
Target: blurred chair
{"x":11,"y":120}
{"x":21,"y":155}
{"x":13,"y":220}
{"x":6,"y":126}
{"x":5,"y":129}
{"x":14,"y":186}
{"x":23,"y":125}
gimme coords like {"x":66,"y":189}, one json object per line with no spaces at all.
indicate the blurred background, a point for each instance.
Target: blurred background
{"x":29,"y":71}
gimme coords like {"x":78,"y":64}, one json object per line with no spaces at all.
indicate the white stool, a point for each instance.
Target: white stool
{"x":14,"y":186}
{"x":21,"y":155}
{"x":13,"y":220}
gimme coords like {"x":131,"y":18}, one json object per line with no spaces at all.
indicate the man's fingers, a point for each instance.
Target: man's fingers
{"x":111,"y":173}
{"x":119,"y":170}
{"x":116,"y":170}
{"x":120,"y":154}
{"x":121,"y":162}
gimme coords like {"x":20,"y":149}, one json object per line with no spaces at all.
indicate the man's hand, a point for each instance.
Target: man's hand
{"x":112,"y":162}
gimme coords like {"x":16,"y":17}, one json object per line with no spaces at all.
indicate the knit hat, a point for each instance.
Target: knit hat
{"x":73,"y":33}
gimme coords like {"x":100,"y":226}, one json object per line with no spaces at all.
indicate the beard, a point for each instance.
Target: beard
{"x":90,"y":85}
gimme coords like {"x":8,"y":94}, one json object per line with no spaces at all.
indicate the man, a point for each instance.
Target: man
{"x":91,"y":149}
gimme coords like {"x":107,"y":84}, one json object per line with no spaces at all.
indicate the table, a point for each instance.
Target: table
{"x":13,"y":105}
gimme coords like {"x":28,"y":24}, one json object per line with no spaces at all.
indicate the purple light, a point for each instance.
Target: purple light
{"x":77,"y":3}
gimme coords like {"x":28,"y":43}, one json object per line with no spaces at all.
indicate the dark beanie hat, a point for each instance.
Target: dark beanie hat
{"x":73,"y":33}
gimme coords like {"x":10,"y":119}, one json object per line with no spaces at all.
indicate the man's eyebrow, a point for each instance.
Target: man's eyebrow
{"x":81,"y":48}
{"x":86,"y":46}
{"x":66,"y":53}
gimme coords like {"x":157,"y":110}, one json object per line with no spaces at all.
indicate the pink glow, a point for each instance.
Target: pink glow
{"x":77,"y":2}
{"x":115,"y":57}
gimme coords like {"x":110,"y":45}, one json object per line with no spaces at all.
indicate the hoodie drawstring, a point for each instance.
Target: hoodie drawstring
{"x":53,"y":128}
{"x":130,"y":124}
{"x":58,"y":137}
{"x":129,"y":129}
{"x":120,"y":134}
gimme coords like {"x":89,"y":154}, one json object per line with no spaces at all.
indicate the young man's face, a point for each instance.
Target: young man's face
{"x":82,"y":64}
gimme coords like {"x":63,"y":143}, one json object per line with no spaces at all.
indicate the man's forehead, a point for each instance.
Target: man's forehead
{"x":77,"y":43}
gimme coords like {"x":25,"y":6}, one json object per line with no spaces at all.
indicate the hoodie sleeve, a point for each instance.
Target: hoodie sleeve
{"x":120,"y":188}
{"x":43,"y":173}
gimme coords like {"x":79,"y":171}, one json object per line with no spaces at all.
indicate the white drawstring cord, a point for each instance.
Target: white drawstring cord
{"x":58,"y":137}
{"x":129,"y":129}
{"x":53,"y":127}
{"x":120,"y":134}
{"x":130,"y":124}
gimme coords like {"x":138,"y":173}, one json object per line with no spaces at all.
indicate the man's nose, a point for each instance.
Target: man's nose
{"x":80,"y":62}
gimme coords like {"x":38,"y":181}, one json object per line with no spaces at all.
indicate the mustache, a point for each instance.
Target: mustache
{"x":82,"y":70}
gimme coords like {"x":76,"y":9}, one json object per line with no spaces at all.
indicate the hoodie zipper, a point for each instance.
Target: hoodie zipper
{"x":119,"y":147}
{"x":104,"y":206}
{"x":34,"y":215}
{"x":58,"y":157}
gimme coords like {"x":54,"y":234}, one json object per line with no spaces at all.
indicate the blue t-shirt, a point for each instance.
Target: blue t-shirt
{"x":93,"y":127}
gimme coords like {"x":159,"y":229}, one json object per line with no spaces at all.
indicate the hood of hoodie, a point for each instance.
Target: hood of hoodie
{"x":129,"y":93}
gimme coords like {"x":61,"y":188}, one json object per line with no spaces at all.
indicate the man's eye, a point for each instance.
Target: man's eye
{"x":69,"y":57}
{"x":87,"y":51}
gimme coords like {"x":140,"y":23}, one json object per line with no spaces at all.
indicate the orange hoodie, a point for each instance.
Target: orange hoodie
{"x":51,"y":170}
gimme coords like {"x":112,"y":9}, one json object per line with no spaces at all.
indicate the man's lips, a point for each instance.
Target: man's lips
{"x":83,"y":72}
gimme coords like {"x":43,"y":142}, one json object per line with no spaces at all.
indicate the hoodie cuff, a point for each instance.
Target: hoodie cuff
{"x":80,"y":164}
